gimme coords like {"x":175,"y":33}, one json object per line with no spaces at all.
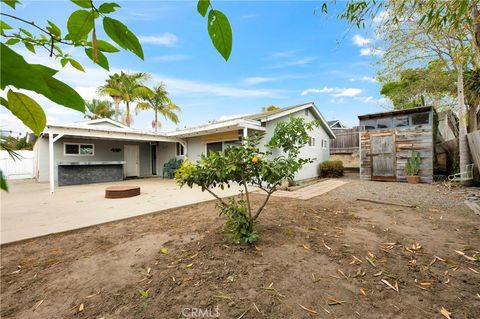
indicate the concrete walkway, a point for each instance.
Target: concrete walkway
{"x":313,"y":190}
{"x":29,"y":210}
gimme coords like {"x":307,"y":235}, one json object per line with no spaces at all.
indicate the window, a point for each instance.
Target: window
{"x":420,"y":118}
{"x":180,"y":149}
{"x":78,"y":149}
{"x":400,"y":121}
{"x":311,"y":141}
{"x":384,"y":123}
{"x":324,"y":144}
{"x":368,"y":125}
{"x":214,"y":147}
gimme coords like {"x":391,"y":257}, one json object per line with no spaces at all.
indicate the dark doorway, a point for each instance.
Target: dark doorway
{"x":154,"y":159}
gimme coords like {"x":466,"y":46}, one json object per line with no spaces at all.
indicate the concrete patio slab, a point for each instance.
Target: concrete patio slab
{"x":313,"y":190}
{"x":29,"y":210}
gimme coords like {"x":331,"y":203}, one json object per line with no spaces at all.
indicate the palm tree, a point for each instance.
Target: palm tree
{"x":111,"y":88}
{"x":160,"y":102}
{"x":129,"y":87}
{"x":97,"y":109}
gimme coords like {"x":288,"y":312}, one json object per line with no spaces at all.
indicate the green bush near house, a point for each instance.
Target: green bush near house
{"x":331,"y":168}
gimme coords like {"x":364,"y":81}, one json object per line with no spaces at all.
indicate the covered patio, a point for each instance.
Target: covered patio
{"x":79,"y":206}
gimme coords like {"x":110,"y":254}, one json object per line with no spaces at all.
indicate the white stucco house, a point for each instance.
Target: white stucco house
{"x":104,"y":150}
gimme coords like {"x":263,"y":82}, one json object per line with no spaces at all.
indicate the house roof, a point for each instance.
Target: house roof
{"x":91,"y":128}
{"x":393,"y":113}
{"x":252,"y":121}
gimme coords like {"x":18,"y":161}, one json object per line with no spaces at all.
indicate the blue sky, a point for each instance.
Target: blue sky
{"x":282,"y":55}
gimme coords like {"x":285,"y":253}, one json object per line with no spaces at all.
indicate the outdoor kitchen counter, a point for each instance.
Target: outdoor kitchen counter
{"x":93,"y":163}
{"x":86,"y":172}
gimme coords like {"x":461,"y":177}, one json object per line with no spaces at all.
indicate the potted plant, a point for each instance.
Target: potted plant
{"x":412,"y":167}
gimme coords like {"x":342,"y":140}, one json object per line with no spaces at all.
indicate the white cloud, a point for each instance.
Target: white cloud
{"x":257,"y":80}
{"x":284,"y":54}
{"x":348,"y":92}
{"x":336,"y":92}
{"x":370,"y":52}
{"x":166,"y":39}
{"x":171,"y":58}
{"x":369,"y":79}
{"x":325,"y":89}
{"x":380,"y":17}
{"x":361,"y":41}
{"x":188,"y":87}
{"x":298,"y":62}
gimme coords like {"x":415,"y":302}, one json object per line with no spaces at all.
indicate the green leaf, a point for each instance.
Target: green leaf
{"x":104,"y":46}
{"x":29,"y":47}
{"x":54,"y":29}
{"x":108,"y":7}
{"x":15,"y":71}
{"x":164,"y":250}
{"x":28,"y":34}
{"x":3,"y":182}
{"x":4,"y":26}
{"x":121,"y":35}
{"x":11,"y":3}
{"x":27,"y":110}
{"x":83,"y":3}
{"x":76,"y":65}
{"x":12,"y":41}
{"x":101,"y":58}
{"x":3,"y":102}
{"x":63,"y":62}
{"x":220,"y":32}
{"x":202,"y":7}
{"x":143,"y":294}
{"x":79,"y":25}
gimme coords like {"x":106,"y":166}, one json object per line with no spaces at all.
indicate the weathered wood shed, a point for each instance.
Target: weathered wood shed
{"x":387,"y":140}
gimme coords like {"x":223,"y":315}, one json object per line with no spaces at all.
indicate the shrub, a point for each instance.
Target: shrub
{"x":332,"y":168}
{"x":413,"y":164}
{"x":247,"y":165}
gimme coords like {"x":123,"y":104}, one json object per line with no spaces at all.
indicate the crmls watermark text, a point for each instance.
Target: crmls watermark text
{"x":194,"y":312}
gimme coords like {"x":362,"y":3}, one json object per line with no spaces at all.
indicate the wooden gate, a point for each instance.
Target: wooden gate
{"x":383,"y":157}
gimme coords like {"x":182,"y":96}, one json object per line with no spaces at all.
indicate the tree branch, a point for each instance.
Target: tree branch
{"x":216,"y":196}
{"x":272,"y":190}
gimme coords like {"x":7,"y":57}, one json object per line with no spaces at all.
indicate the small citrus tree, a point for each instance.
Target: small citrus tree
{"x":248,"y":165}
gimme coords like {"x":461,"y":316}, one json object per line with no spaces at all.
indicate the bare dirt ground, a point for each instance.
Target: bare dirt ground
{"x":328,"y":257}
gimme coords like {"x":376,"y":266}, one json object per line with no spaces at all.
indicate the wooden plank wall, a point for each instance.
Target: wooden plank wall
{"x":346,"y":141}
{"x":474,"y":144}
{"x":419,"y":138}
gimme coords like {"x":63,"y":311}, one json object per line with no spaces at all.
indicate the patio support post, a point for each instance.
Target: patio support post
{"x":51,"y":162}
{"x":51,"y":159}
{"x":245,"y":135}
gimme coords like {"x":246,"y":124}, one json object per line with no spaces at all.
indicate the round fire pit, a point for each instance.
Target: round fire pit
{"x":122,"y":191}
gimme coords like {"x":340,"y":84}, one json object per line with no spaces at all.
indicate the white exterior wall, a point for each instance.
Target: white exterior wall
{"x":195,"y":148}
{"x":319,"y":154}
{"x":316,"y":152}
{"x":17,"y":168}
{"x":102,"y":152}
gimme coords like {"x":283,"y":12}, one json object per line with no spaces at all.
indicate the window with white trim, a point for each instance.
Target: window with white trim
{"x":78,"y":149}
{"x":311,"y":141}
{"x":180,"y":149}
{"x":324,"y":144}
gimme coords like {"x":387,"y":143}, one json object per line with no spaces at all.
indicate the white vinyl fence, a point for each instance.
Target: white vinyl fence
{"x":17,"y":168}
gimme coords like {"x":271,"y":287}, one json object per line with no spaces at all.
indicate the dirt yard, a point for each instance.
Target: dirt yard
{"x":328,"y":257}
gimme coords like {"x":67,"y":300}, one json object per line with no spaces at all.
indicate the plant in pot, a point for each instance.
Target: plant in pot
{"x":412,"y":167}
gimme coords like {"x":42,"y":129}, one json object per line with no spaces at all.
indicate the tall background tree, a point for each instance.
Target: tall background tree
{"x":97,"y":109}
{"x":110,"y":88}
{"x":129,"y":87}
{"x":160,"y":103}
{"x":427,"y":30}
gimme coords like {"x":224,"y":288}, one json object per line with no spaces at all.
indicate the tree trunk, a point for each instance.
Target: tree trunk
{"x":117,"y":101}
{"x":156,"y":121}
{"x":127,"y":119}
{"x":462,"y":124}
{"x":476,"y":33}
